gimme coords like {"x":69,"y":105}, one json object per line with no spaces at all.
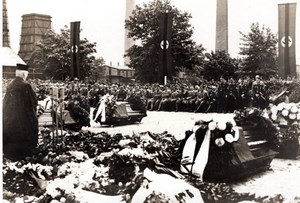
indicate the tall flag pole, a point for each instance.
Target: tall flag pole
{"x":165,"y":57}
{"x":75,"y":43}
{"x":287,"y":39}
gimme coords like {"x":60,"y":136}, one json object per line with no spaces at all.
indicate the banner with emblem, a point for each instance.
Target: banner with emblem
{"x":165,"y":33}
{"x":75,"y":41}
{"x":287,"y":40}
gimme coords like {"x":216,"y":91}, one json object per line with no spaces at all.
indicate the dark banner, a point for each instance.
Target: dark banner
{"x":75,"y":43}
{"x":165,"y":58}
{"x":287,"y":39}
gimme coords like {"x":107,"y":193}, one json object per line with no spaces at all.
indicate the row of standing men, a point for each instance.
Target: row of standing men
{"x":220,"y":96}
{"x":224,"y":97}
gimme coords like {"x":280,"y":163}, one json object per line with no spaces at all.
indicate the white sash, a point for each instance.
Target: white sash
{"x":201,"y":158}
{"x":101,"y":110}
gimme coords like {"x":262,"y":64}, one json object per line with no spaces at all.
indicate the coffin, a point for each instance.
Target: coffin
{"x":249,"y":155}
{"x":121,"y":114}
{"x":224,"y":148}
{"x":46,"y":119}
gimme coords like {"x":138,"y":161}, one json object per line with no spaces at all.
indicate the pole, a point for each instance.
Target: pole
{"x":52,"y":112}
{"x":61,"y":96}
{"x":56,"y":126}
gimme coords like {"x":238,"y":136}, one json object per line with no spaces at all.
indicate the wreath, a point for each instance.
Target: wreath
{"x":286,"y":116}
{"x":257,"y":119}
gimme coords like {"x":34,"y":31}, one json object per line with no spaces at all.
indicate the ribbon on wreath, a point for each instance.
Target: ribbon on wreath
{"x":195,"y":163}
{"x":101,"y":111}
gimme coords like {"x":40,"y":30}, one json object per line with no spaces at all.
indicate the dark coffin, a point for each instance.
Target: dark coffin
{"x":123,"y":114}
{"x":249,"y":155}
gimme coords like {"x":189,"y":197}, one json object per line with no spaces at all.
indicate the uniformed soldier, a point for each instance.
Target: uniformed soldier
{"x":232,"y":94}
{"x":256,"y":92}
{"x":164,"y":104}
{"x":222,"y":96}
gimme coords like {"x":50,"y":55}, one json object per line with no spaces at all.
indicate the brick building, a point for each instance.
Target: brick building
{"x":117,"y":74}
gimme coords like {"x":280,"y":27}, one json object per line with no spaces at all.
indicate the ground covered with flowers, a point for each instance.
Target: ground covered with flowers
{"x":72,"y":166}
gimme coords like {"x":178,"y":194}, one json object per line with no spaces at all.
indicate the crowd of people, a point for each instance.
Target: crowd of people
{"x":222,"y":96}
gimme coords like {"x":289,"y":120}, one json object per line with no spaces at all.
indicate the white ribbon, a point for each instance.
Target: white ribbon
{"x":202,"y":156}
{"x":237,"y":134}
{"x":196,"y":168}
{"x":101,"y":110}
{"x":188,"y":154}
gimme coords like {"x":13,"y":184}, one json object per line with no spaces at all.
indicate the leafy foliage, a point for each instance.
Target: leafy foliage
{"x":53,"y":56}
{"x":143,"y":26}
{"x":219,"y":64}
{"x":79,"y":148}
{"x":259,"y":49}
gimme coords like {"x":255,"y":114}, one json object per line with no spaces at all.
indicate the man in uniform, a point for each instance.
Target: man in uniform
{"x":165,"y":101}
{"x":232,"y":96}
{"x":222,"y":96}
{"x":20,"y":123}
{"x":258,"y":91}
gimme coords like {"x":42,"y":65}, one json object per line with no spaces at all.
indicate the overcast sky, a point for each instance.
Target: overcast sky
{"x":102,"y":21}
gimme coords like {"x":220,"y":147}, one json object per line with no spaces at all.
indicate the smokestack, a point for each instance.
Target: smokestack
{"x":222,"y":26}
{"x":34,"y":26}
{"x":129,"y":42}
{"x":5,"y":30}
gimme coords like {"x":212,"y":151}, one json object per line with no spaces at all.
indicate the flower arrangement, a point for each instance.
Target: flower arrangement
{"x":285,"y":113}
{"x":286,"y":116}
{"x":222,"y":131}
{"x":110,"y":104}
{"x":89,"y":165}
{"x":257,"y":119}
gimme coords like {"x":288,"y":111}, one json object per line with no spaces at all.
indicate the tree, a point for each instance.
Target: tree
{"x":97,"y":72}
{"x":219,"y":64}
{"x":143,"y":26}
{"x":53,"y":56}
{"x":259,"y":51}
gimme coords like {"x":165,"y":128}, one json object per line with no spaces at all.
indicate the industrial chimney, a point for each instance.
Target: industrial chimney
{"x":8,"y":57}
{"x":5,"y":30}
{"x":222,"y":26}
{"x":130,"y":5}
{"x":34,"y":26}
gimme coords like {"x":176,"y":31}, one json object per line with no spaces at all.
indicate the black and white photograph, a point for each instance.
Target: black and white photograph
{"x":150,"y":101}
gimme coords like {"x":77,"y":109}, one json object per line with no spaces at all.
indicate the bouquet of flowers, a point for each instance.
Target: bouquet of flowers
{"x":259,"y":120}
{"x":110,"y":104}
{"x":286,"y":116}
{"x":285,"y":113}
{"x":222,"y":131}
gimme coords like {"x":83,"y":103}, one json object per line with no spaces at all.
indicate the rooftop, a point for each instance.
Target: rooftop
{"x":9,"y":57}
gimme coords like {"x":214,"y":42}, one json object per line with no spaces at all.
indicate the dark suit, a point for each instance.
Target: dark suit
{"x":20,"y":124}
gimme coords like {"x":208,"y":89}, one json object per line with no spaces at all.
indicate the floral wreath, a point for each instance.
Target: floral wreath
{"x":285,"y":113}
{"x":259,"y":119}
{"x":223,"y":132}
{"x":110,"y":103}
{"x":286,"y":117}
